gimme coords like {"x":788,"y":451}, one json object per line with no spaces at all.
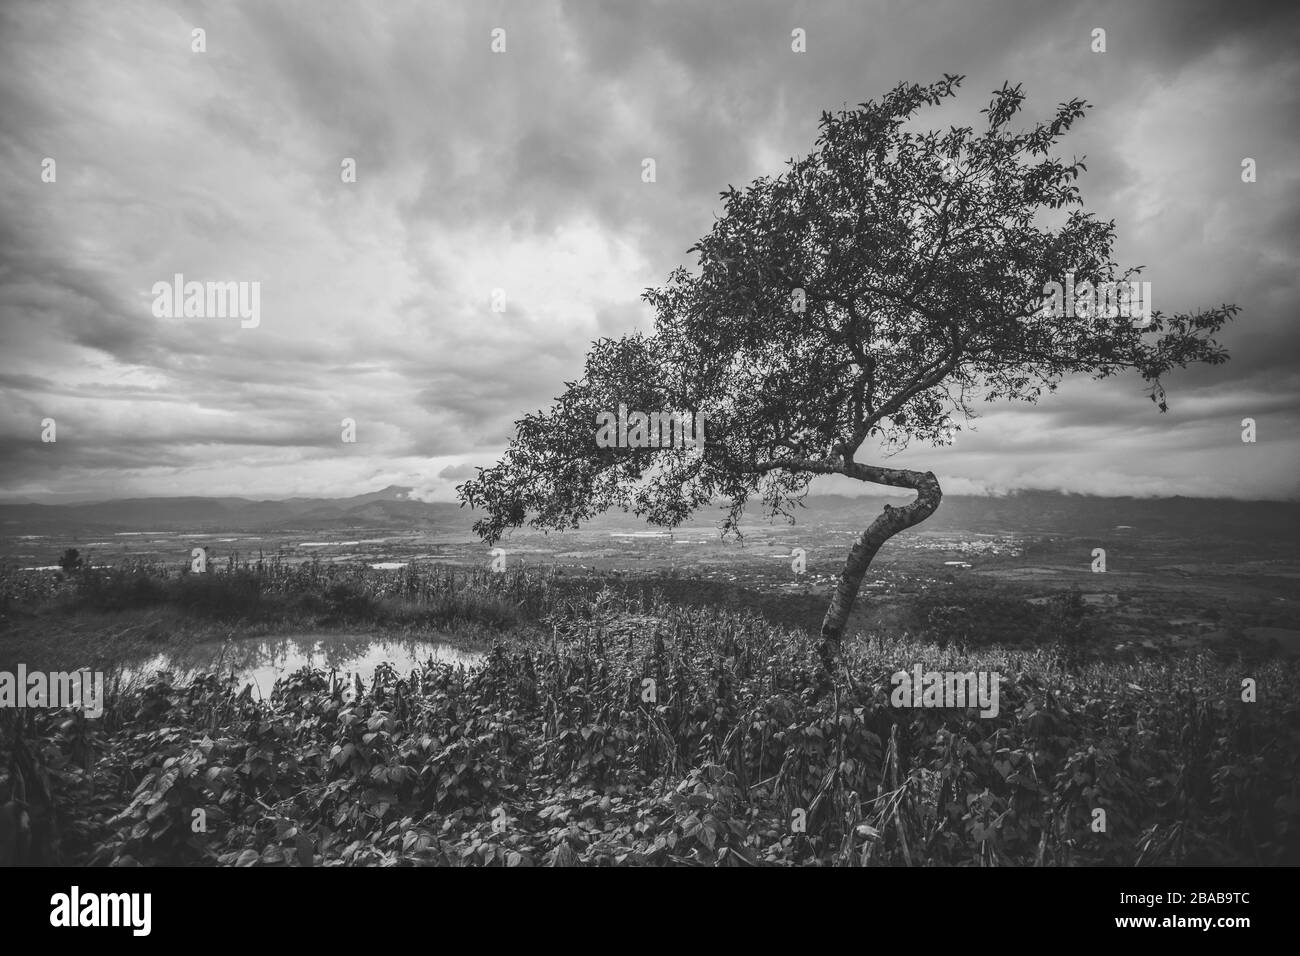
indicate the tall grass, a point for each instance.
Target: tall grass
{"x":639,"y":733}
{"x":260,"y":590}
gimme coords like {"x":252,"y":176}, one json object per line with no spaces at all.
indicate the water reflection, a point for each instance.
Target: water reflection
{"x":259,"y":661}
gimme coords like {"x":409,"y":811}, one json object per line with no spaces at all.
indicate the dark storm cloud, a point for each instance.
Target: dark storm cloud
{"x":521,"y":172}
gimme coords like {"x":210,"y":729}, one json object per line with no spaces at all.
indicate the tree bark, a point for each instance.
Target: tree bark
{"x":892,"y":521}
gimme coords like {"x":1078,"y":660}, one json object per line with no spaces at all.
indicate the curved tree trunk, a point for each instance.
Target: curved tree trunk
{"x":892,"y":521}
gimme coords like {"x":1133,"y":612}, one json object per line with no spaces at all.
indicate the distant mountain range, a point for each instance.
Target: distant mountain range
{"x":390,"y":508}
{"x":1048,"y":512}
{"x":393,"y":509}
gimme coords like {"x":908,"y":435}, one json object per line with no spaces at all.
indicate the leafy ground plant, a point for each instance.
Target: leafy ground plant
{"x":678,"y":737}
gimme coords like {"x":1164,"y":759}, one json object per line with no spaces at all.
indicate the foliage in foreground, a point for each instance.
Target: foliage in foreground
{"x":312,"y":592}
{"x":550,"y":755}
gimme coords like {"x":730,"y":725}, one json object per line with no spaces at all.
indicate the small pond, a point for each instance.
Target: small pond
{"x":261,"y":660}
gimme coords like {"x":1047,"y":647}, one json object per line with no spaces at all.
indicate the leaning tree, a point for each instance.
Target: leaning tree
{"x":870,"y":293}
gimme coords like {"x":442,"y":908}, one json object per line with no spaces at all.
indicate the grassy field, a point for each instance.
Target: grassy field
{"x":637,"y":719}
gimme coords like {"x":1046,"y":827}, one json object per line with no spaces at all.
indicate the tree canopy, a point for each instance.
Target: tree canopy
{"x":872,"y":293}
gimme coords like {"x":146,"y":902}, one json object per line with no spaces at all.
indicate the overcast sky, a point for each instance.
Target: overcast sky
{"x":522,"y":171}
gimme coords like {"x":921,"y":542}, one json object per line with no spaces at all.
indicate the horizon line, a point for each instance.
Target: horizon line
{"x":1010,"y":493}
